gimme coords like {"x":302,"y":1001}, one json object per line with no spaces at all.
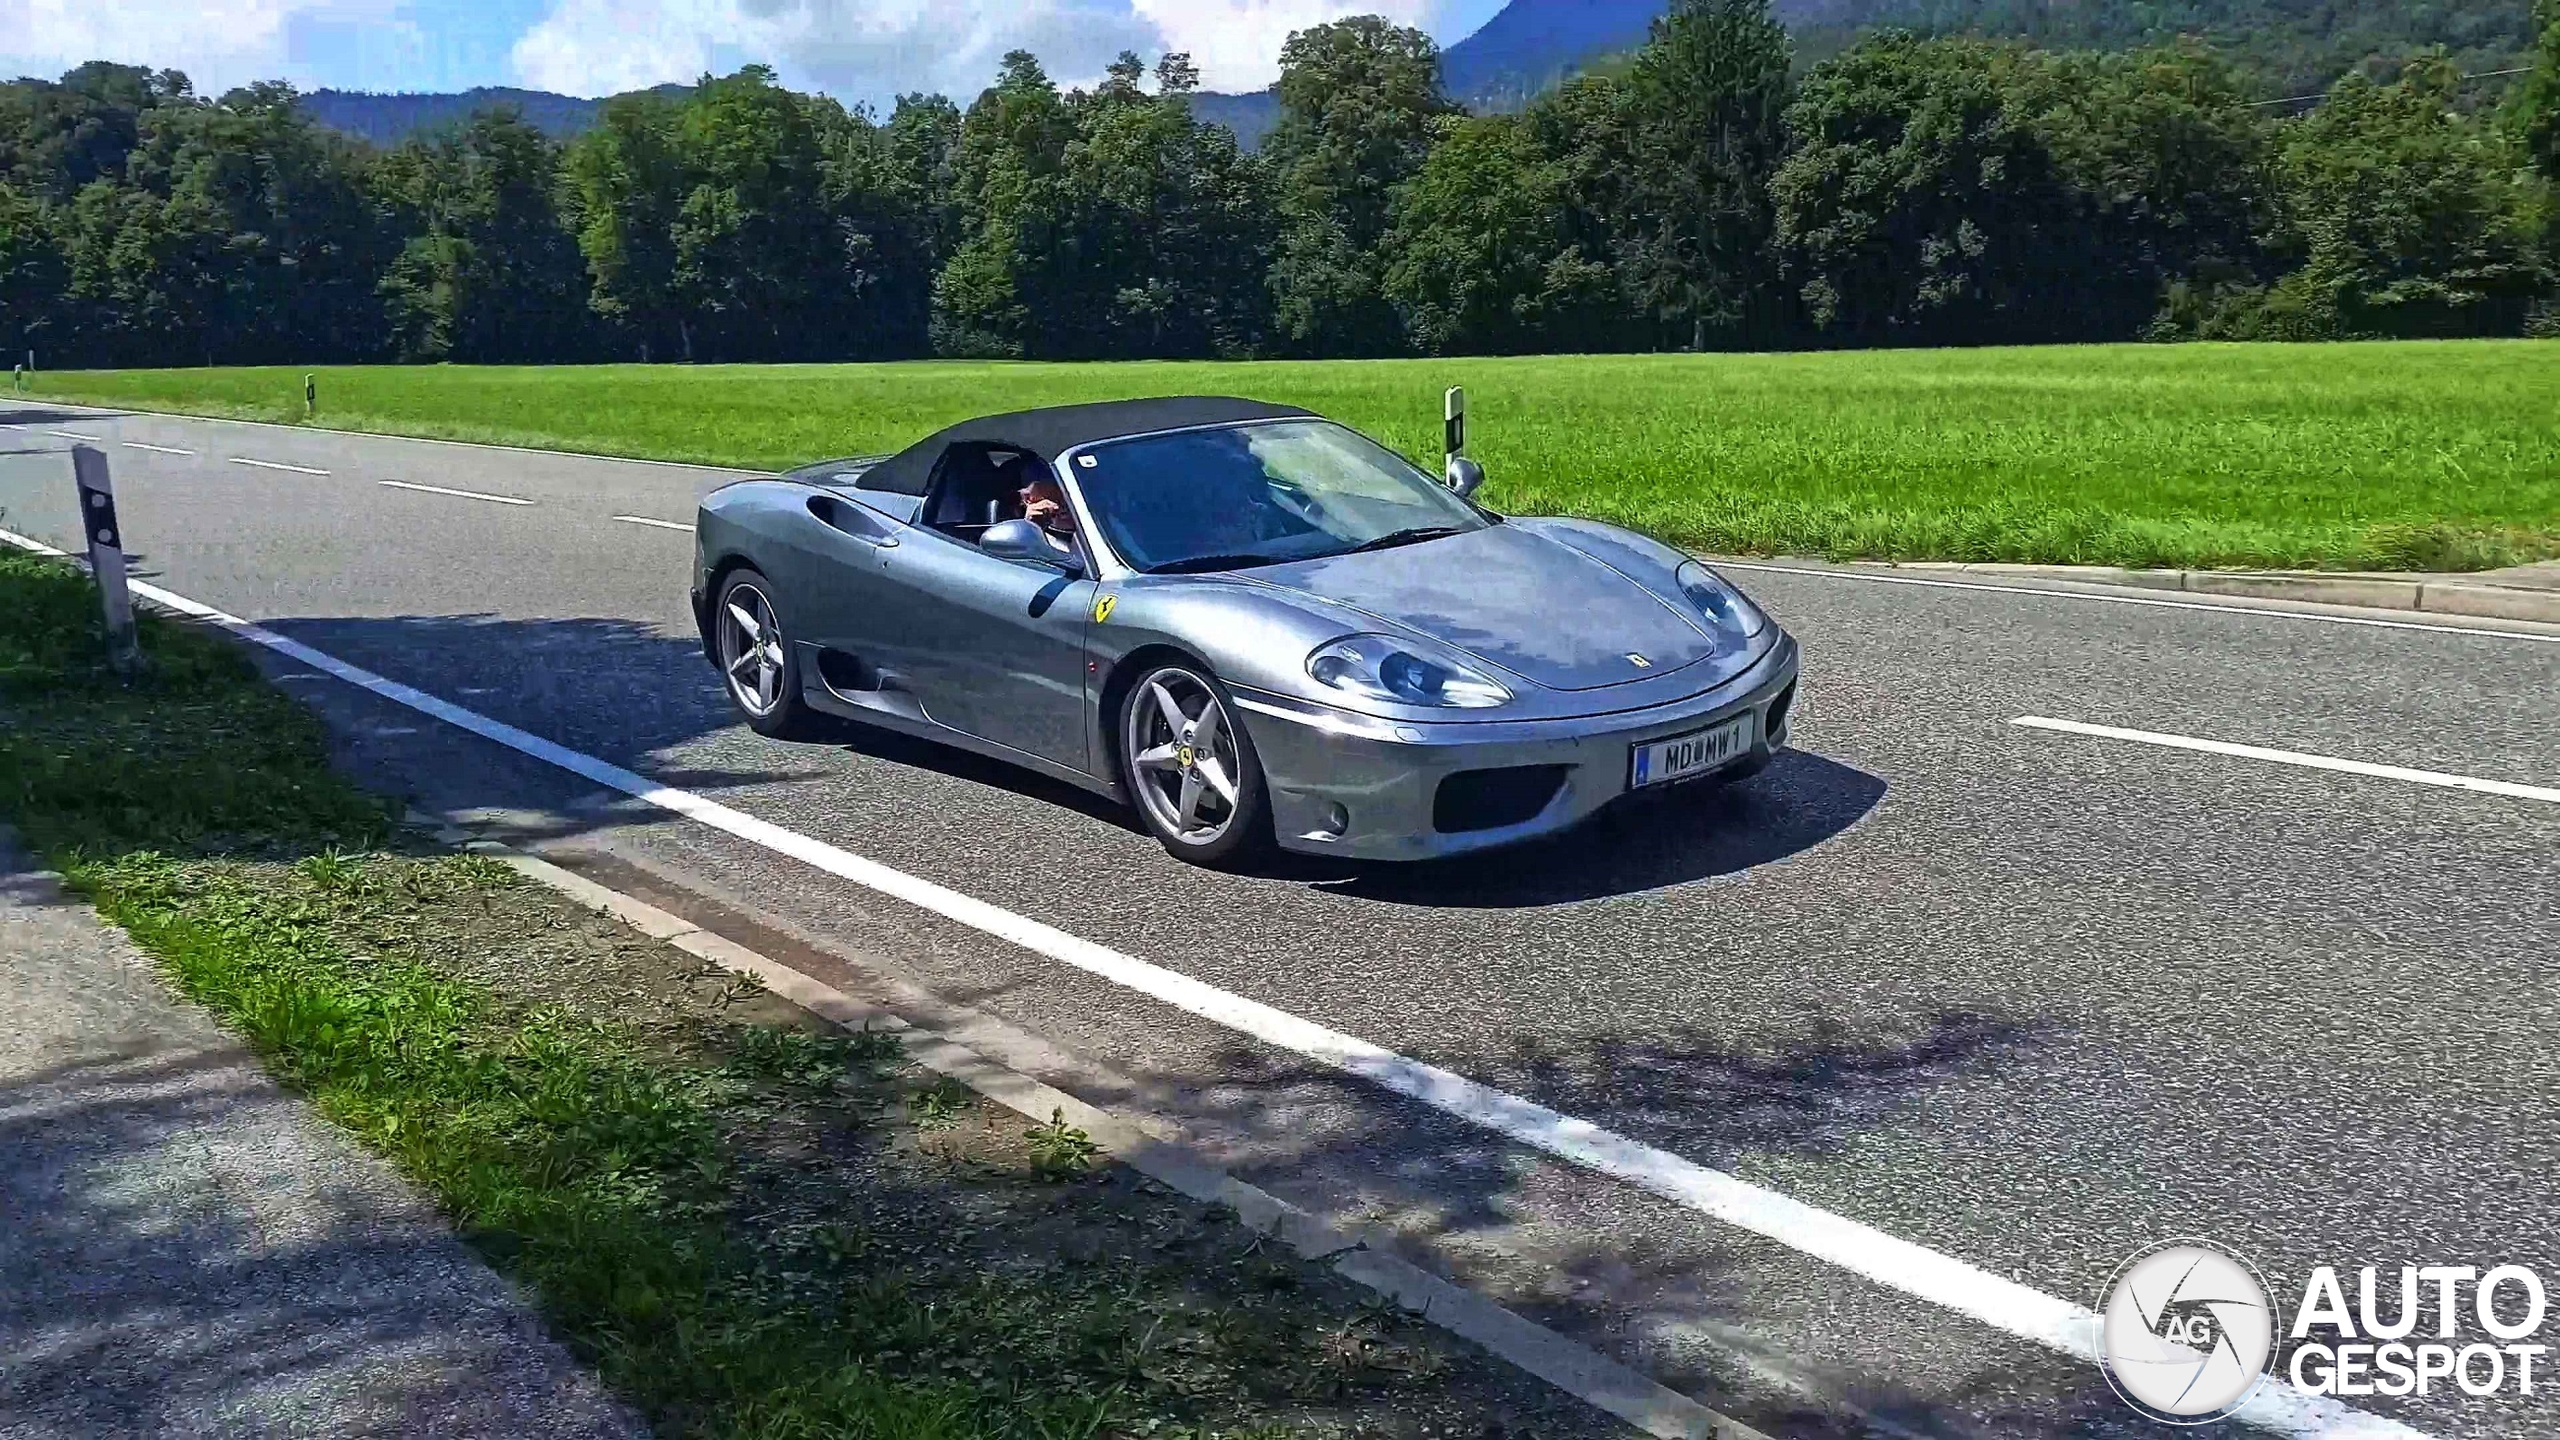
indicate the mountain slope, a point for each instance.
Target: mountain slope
{"x":386,"y":120}
{"x":1532,"y":44}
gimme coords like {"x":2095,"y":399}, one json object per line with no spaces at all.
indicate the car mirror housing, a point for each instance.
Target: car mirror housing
{"x":1465,"y":476}
{"x":1024,"y":540}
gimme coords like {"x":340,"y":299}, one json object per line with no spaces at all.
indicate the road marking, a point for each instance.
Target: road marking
{"x":1894,"y":1263}
{"x":659,"y":524}
{"x":156,"y":449}
{"x":456,"y":494}
{"x":2307,"y":761}
{"x":74,"y":435}
{"x":276,"y":465}
{"x":2552,"y":638}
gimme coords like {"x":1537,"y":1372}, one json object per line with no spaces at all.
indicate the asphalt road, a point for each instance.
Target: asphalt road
{"x":2033,"y":1000}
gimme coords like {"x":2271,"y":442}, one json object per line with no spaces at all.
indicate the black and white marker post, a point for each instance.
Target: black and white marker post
{"x":1456,"y":434}
{"x":106,"y":551}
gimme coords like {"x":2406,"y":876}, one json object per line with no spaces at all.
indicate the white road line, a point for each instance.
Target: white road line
{"x":155,"y":449}
{"x":276,"y":465}
{"x":74,"y":435}
{"x":1896,"y":1264}
{"x":2550,"y":638}
{"x":659,"y":524}
{"x":2307,"y":761}
{"x":456,"y":494}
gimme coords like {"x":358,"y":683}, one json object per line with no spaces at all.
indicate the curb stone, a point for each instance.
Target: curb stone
{"x":1570,"y":1366}
{"x":2425,"y":594}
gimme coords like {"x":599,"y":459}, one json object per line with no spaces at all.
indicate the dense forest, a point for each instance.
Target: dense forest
{"x":1710,"y":193}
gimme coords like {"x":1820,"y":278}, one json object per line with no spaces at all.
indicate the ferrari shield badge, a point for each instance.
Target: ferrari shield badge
{"x":1102,"y":607}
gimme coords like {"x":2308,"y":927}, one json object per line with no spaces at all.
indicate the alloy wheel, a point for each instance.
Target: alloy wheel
{"x":1182,"y":756}
{"x":751,"y":651}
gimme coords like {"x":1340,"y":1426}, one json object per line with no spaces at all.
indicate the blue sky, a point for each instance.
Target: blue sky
{"x":860,"y":50}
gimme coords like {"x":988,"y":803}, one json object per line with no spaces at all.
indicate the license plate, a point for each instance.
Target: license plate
{"x":1696,"y":753}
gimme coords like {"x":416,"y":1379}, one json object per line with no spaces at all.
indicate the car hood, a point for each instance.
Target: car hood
{"x":1513,"y":597}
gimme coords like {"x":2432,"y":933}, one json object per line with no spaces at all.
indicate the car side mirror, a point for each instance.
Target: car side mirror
{"x":1465,"y":476}
{"x":1025,"y":540}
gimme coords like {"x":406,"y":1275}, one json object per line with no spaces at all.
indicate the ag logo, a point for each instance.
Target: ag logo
{"x":1103,"y":605}
{"x":2188,"y":1328}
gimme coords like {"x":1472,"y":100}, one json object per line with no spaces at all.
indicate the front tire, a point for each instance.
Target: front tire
{"x":756,"y":658}
{"x":1191,"y":768}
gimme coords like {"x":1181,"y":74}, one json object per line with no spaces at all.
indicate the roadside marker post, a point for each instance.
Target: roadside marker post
{"x":18,"y":376}
{"x":311,"y":395}
{"x":1454,"y":435}
{"x":106,"y":552}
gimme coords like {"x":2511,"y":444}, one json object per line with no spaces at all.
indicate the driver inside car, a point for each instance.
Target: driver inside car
{"x":1045,"y":505}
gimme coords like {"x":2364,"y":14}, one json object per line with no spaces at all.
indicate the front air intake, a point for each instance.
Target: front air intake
{"x":1473,"y":800}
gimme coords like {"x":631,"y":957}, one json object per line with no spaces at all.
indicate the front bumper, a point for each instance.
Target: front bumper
{"x":1386,"y":776}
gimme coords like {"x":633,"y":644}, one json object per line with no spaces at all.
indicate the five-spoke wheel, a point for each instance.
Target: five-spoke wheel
{"x":755,"y":656}
{"x":1190,"y":766}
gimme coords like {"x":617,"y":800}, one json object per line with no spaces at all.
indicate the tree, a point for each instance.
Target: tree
{"x":622,"y":185}
{"x":753,"y":242}
{"x":2411,"y":217}
{"x":33,"y":275}
{"x":1013,"y":143}
{"x":2537,"y":100}
{"x":2172,"y":174}
{"x":302,"y":246}
{"x":1920,"y":207}
{"x":1357,"y":100}
{"x":1706,"y":105}
{"x":490,"y":272}
{"x":1482,"y":256}
{"x":58,"y":137}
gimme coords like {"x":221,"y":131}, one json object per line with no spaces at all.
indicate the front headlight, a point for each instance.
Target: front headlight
{"x":1403,"y":672}
{"x":1723,"y":606}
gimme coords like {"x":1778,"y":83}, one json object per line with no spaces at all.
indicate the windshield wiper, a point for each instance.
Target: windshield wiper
{"x":1414,"y":536}
{"x":1198,"y":563}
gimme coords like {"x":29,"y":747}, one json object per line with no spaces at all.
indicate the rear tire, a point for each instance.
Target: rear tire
{"x":1191,"y":769}
{"x":757,"y":660}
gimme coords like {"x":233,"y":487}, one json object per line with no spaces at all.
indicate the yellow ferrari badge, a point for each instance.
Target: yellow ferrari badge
{"x":1102,"y":606}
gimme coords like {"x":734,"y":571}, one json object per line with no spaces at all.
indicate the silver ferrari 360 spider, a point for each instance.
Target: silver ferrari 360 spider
{"x":1251,"y":624}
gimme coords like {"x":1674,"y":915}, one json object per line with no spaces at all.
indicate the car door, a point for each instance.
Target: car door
{"x":836,"y":566}
{"x":995,"y":648}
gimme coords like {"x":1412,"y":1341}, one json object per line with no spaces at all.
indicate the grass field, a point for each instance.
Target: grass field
{"x":2430,"y":456}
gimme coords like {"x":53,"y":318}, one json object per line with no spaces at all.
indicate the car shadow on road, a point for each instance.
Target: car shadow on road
{"x":1645,"y":842}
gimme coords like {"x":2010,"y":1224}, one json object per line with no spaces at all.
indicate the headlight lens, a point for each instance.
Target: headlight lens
{"x":1403,"y":672}
{"x":1723,"y":606}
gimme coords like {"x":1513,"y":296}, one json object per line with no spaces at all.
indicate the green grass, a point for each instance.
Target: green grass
{"x":716,"y":1200}
{"x":2368,"y":456}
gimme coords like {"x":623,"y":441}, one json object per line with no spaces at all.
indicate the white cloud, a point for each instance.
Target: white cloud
{"x":859,"y":49}
{"x":875,"y":49}
{"x":219,"y":43}
{"x":1236,"y":43}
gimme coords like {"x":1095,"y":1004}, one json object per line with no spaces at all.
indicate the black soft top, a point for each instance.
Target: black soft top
{"x":1053,"y":432}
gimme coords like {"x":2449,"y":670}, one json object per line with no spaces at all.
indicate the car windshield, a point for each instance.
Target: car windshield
{"x":1261,"y":495}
